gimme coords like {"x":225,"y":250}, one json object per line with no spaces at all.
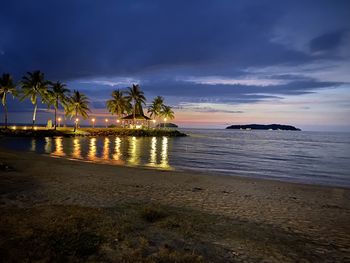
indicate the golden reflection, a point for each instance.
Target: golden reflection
{"x":164,"y":155}
{"x":48,"y":144}
{"x":106,"y":149}
{"x":134,"y":151}
{"x":92,"y":149}
{"x":76,"y":149}
{"x":153,"y":152}
{"x":33,"y":145}
{"x":117,"y":154}
{"x":58,"y":147}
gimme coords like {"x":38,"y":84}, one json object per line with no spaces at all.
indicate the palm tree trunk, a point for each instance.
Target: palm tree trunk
{"x":134,"y":114}
{"x":55,"y":118}
{"x":5,"y":112}
{"x":34,"y":115}
{"x":75,"y":121}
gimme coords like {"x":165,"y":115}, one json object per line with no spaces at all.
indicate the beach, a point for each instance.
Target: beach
{"x":200,"y":218}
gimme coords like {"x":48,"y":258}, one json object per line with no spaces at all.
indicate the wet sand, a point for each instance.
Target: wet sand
{"x":320,"y":214}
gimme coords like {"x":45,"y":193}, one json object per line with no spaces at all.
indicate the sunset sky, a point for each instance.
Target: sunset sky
{"x":216,"y":62}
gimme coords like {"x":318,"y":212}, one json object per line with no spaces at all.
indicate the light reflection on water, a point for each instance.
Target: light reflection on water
{"x":76,"y":149}
{"x":312,"y":157}
{"x":58,"y":147}
{"x":131,"y":151}
{"x":117,"y":152}
{"x":92,"y":149}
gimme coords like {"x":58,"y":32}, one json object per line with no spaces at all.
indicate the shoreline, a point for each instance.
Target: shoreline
{"x":24,"y":131}
{"x":291,"y":212}
{"x":190,"y":171}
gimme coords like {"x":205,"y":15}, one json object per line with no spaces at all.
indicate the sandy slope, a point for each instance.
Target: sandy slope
{"x":321,"y":213}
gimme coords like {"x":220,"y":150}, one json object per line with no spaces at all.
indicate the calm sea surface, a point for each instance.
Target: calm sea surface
{"x":310,"y":157}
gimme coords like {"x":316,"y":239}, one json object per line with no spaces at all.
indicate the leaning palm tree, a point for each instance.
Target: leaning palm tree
{"x":167,"y":113}
{"x":77,"y":104}
{"x":137,"y":97}
{"x":6,"y":87}
{"x":156,"y":106}
{"x":58,"y":96}
{"x":118,"y":104}
{"x":33,"y":86}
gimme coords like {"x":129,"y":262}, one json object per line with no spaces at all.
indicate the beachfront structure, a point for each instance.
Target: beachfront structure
{"x":137,"y":120}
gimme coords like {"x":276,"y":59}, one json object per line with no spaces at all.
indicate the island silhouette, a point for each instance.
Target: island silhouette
{"x":264,"y":127}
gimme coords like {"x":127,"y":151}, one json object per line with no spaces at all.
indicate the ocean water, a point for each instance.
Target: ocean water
{"x":308,"y":157}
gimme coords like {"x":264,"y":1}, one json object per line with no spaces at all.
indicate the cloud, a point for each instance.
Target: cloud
{"x":327,"y":41}
{"x":198,"y":51}
{"x":124,"y":82}
{"x":216,"y":80}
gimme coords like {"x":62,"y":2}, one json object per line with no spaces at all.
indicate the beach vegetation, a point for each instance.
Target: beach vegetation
{"x":77,"y":104}
{"x":152,"y":214}
{"x":137,"y":97}
{"x":58,"y":95}
{"x":156,"y":107}
{"x":7,"y":86}
{"x":34,"y":86}
{"x":125,"y":104}
{"x":119,"y":104}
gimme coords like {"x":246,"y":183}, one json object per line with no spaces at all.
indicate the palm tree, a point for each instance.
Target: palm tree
{"x":77,"y":104}
{"x":167,"y":113}
{"x":58,"y":96}
{"x":6,"y":87}
{"x":156,"y":106}
{"x":136,"y":96}
{"x":118,"y":104}
{"x":33,"y":86}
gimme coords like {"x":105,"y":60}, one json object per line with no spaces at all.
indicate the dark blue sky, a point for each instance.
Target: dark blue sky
{"x":216,"y":62}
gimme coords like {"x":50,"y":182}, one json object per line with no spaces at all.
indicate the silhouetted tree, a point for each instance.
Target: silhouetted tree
{"x":33,"y":86}
{"x":135,"y":96}
{"x":156,"y":107}
{"x":77,"y":104}
{"x":6,"y":87}
{"x":119,"y":104}
{"x":57,"y":95}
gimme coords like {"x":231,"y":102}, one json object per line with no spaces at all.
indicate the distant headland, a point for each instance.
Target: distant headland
{"x":264,"y":127}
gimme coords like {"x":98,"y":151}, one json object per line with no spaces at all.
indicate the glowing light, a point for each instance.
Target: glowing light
{"x":76,"y":149}
{"x":138,"y":126}
{"x":47,"y":144}
{"x":153,"y":152}
{"x":14,"y":127}
{"x":134,"y":151}
{"x":117,"y":155}
{"x":58,"y":147}
{"x":154,"y":121}
{"x":118,"y":121}
{"x":35,"y":128}
{"x":165,"y":119}
{"x":59,"y":122}
{"x":93,"y":120}
{"x":164,"y":161}
{"x":76,"y":120}
{"x":92,"y":149}
{"x":106,"y":120}
{"x":25,"y":127}
{"x":106,"y":149}
{"x":33,"y":145}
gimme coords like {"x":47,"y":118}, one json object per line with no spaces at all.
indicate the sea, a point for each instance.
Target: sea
{"x":321,"y":158}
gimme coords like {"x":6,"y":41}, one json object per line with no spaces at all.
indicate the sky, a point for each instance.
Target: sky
{"x":215,"y":62}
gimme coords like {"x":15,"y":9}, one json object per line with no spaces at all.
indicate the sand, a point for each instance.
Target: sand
{"x":319,"y":213}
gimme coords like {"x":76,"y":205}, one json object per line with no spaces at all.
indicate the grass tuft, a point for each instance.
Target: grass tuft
{"x":153,"y":214}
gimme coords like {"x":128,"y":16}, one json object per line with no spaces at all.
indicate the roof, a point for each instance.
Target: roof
{"x":137,"y":117}
{"x":139,"y":114}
